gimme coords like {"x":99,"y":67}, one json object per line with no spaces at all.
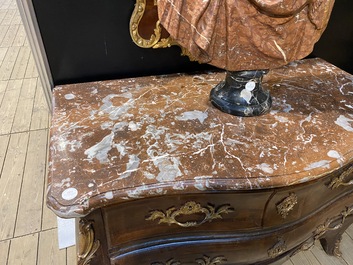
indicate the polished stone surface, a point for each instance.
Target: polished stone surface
{"x":245,"y":34}
{"x":120,"y":140}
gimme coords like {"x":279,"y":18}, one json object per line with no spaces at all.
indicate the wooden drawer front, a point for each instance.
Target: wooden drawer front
{"x":251,"y":247}
{"x":247,"y":248}
{"x":143,"y":220}
{"x":293,"y":203}
{"x":200,"y":253}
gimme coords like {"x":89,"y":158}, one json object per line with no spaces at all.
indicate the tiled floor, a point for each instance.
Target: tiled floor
{"x":27,"y":228}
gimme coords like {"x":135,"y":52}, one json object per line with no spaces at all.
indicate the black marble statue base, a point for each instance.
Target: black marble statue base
{"x":241,"y":94}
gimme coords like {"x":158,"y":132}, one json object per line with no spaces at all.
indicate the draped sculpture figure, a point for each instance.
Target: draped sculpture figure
{"x":245,"y":34}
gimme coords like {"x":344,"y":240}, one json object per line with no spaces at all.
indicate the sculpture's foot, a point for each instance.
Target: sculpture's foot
{"x":241,"y":94}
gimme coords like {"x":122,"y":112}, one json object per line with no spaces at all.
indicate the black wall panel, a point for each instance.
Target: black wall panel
{"x":336,"y":44}
{"x":89,"y":40}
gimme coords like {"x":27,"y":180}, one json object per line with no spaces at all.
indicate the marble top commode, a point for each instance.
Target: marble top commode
{"x":133,"y":138}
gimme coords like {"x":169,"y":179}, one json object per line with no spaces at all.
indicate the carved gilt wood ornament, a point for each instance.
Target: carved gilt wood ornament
{"x":170,"y":216}
{"x":88,"y":246}
{"x":155,"y":39}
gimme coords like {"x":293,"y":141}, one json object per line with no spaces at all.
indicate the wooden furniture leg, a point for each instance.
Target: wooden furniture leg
{"x":332,"y":239}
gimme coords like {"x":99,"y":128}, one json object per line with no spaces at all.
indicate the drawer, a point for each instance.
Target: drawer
{"x":299,"y":201}
{"x":260,"y":246}
{"x":244,"y":248}
{"x":197,"y":253}
{"x":146,"y":220}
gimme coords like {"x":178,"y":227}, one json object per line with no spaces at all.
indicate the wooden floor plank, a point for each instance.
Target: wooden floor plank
{"x":28,"y":88}
{"x":23,"y":115}
{"x":26,"y":44}
{"x":9,"y":106}
{"x":10,"y":36}
{"x":72,"y":257}
{"x":4,"y":141}
{"x":16,"y":20}
{"x":288,"y":262}
{"x":324,"y":259}
{"x":10,"y":183}
{"x":48,"y":250}
{"x":23,"y":250}
{"x":346,"y":248}
{"x":4,"y":251}
{"x":8,"y":17}
{"x":40,"y":116}
{"x":13,"y":84}
{"x":31,"y":70}
{"x":3,"y":32}
{"x":20,"y":37}
{"x":5,"y":4}
{"x":8,"y":63}
{"x":2,"y":94}
{"x":2,"y":15}
{"x":3,"y":86}
{"x":49,"y":218}
{"x":349,"y":231}
{"x":33,"y":185}
{"x":13,"y":5}
{"x":305,"y":258}
{"x":3,"y":52}
{"x":20,"y":65}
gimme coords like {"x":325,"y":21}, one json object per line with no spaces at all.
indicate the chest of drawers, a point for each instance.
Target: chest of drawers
{"x":155,"y":175}
{"x":223,"y":228}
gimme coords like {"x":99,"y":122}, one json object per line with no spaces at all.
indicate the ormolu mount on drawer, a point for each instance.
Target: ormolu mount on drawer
{"x":170,"y":216}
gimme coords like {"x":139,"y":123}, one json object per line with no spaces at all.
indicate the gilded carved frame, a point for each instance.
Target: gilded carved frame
{"x":156,"y":38}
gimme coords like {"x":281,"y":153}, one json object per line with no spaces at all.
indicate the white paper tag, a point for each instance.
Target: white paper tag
{"x":66,"y":232}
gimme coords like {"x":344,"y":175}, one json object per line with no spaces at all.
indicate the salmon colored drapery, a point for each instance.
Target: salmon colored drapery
{"x":246,"y":34}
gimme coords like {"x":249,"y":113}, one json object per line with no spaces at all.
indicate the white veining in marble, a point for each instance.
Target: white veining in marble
{"x":161,"y":138}
{"x":193,"y":115}
{"x":345,"y":122}
{"x":318,"y":164}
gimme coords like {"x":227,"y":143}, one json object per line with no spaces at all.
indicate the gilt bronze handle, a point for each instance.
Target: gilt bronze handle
{"x":170,"y":216}
{"x":87,"y":246}
{"x":287,"y":205}
{"x":340,"y":180}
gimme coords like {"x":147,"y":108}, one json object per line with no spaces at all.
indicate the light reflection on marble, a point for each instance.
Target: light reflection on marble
{"x":125,"y":139}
